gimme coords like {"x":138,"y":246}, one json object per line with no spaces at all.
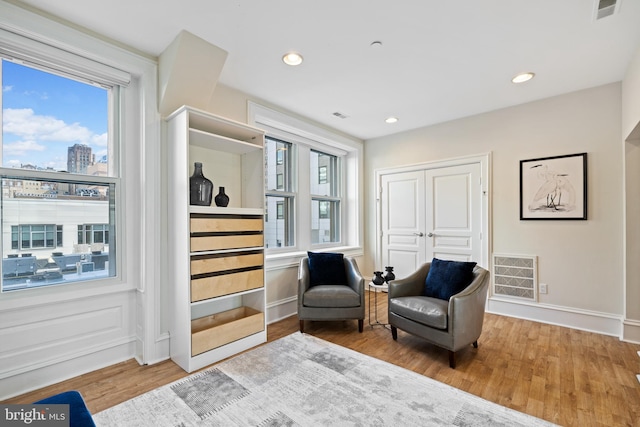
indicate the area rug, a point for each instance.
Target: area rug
{"x":300,"y":380}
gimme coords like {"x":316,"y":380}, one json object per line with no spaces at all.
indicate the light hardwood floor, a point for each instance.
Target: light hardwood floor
{"x":566,"y":376}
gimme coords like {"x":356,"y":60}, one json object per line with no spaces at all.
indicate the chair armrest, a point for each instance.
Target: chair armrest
{"x":467,"y":307}
{"x":412,"y":285}
{"x":304,"y":278}
{"x":354,"y":278}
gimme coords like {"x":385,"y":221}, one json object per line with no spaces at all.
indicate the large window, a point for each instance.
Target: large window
{"x":59,"y":175}
{"x":313,"y":187}
{"x":284,"y":188}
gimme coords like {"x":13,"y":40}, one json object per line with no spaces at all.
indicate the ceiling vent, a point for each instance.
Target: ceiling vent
{"x":606,"y":8}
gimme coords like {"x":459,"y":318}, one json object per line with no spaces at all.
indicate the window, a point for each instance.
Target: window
{"x":279,"y":197}
{"x":58,"y":165}
{"x":319,"y":205}
{"x":323,"y":194}
{"x":36,"y":236}
{"x":93,"y":233}
{"x":322,"y":175}
{"x":325,"y":198}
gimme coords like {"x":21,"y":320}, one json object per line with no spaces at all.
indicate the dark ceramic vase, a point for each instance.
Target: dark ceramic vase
{"x":221,"y":199}
{"x":200,"y":188}
{"x":389,"y":276}
{"x":378,"y":279}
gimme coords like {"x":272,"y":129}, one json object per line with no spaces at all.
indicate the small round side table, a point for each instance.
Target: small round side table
{"x":375,"y":289}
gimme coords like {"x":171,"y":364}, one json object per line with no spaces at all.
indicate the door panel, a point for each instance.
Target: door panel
{"x":454,"y":212}
{"x":430,"y":213}
{"x":402,"y":221}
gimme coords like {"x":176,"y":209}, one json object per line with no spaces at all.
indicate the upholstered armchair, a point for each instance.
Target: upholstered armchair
{"x":330,"y":287}
{"x":452,"y":323}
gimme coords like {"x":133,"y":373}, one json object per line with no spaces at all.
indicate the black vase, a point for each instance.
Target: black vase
{"x":200,"y":188}
{"x":378,"y":279}
{"x":221,"y":199}
{"x":389,"y":276}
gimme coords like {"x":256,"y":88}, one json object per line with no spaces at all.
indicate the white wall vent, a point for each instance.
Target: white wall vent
{"x":515,"y":276}
{"x":606,"y":8}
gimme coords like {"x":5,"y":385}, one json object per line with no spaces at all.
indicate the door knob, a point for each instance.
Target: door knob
{"x":420,"y":234}
{"x":430,"y":234}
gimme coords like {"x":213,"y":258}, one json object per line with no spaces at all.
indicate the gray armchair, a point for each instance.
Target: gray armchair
{"x":331,"y":302}
{"x":451,"y":324}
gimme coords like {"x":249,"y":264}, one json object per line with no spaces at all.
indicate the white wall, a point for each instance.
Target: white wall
{"x":631,"y":143}
{"x":581,"y":261}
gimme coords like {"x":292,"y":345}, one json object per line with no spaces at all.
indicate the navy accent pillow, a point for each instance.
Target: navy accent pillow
{"x":447,"y":278}
{"x":326,"y":268}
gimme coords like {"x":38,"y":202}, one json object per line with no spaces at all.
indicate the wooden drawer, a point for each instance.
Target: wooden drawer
{"x":236,"y":241}
{"x":212,"y":224}
{"x":222,"y":328}
{"x":231,"y":261}
{"x":225,"y":284}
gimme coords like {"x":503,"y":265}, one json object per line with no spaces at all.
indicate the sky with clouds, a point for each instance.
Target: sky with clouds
{"x":43,"y":114}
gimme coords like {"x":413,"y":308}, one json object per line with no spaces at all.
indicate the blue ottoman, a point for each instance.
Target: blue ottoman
{"x":78,"y":413}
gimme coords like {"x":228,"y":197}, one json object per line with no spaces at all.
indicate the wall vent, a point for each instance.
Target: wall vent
{"x":606,"y":8}
{"x":515,"y":276}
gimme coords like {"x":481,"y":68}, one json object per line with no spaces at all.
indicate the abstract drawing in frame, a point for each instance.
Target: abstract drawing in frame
{"x":554,"y":187}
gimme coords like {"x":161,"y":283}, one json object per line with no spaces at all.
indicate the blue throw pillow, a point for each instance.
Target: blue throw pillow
{"x":447,"y":278}
{"x":326,"y":268}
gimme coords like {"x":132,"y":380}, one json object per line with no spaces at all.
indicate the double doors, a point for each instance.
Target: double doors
{"x":431,"y":212}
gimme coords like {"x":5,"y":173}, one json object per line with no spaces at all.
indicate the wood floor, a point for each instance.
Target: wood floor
{"x":569,"y":377}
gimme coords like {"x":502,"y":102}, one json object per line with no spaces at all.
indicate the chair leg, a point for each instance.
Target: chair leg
{"x":475,"y":344}
{"x":394,"y":333}
{"x":452,"y":359}
{"x":360,"y":325}
{"x":302,"y":326}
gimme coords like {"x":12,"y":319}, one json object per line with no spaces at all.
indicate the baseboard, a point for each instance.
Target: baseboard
{"x":631,"y":331}
{"x":585,"y":320}
{"x":161,"y":351}
{"x":282,"y":309}
{"x":53,"y":371}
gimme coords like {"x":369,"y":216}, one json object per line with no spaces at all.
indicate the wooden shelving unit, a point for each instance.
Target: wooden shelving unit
{"x":216,"y":254}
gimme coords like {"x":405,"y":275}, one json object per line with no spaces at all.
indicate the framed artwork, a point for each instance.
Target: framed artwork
{"x":554,"y":187}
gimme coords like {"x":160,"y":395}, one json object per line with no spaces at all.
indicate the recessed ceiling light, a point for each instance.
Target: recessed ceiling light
{"x":376,"y":43}
{"x":523,"y":77}
{"x":391,"y":120}
{"x":292,"y":58}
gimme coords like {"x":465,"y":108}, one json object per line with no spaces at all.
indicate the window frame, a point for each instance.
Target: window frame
{"x":66,"y":52}
{"x":307,"y":136}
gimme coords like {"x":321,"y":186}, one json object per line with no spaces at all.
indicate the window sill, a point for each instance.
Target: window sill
{"x":282,"y":260}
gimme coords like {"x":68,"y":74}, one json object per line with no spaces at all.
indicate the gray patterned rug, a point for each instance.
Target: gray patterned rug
{"x":301,"y":380}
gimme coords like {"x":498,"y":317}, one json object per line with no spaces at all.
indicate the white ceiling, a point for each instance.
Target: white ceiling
{"x":440,"y":60}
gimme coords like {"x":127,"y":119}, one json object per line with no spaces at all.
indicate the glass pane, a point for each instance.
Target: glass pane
{"x":324,"y":176}
{"x":278,"y":164}
{"x":47,"y":222}
{"x":53,"y":123}
{"x":279,"y":225}
{"x":324,"y":221}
